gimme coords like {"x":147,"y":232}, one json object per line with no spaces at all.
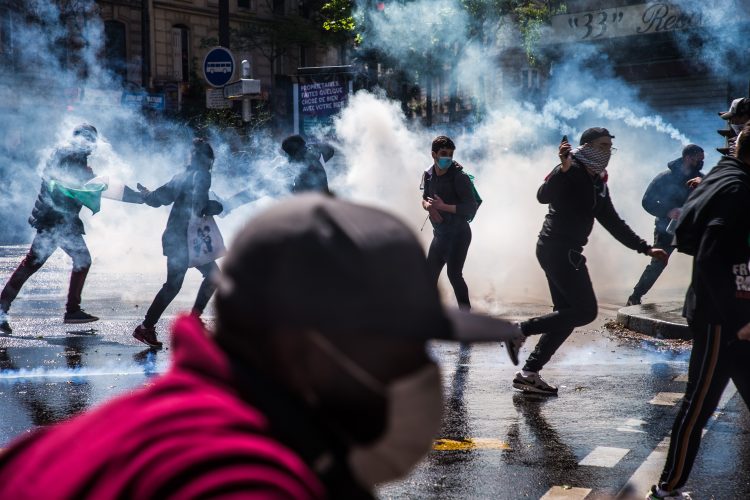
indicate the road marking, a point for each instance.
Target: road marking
{"x":566,"y":493}
{"x":667,"y":398}
{"x":649,"y":471}
{"x":604,"y":456}
{"x":681,"y":378}
{"x":469,"y":444}
{"x":632,"y":425}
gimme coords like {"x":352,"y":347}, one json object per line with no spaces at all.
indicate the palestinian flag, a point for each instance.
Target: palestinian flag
{"x":89,"y":195}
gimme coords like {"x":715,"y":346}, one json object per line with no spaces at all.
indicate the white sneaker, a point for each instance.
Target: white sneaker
{"x":658,"y":494}
{"x":533,"y":383}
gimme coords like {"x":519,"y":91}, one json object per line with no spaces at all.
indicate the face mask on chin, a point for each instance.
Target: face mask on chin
{"x":415,"y":404}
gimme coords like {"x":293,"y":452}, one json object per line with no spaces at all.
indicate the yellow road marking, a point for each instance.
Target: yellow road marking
{"x":469,"y":444}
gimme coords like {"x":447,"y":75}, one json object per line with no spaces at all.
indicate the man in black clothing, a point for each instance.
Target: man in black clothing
{"x":577,"y":193}
{"x":715,"y":228}
{"x":663,"y":199}
{"x":188,"y":194}
{"x":311,"y":175}
{"x":58,"y":225}
{"x":448,"y":198}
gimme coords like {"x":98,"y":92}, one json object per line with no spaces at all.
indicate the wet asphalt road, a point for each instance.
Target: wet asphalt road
{"x":601,"y":434}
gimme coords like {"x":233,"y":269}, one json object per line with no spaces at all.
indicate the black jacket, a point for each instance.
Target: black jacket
{"x":188,"y":192}
{"x":311,"y":175}
{"x":715,"y":227}
{"x":454,"y":187}
{"x":68,"y":166}
{"x":667,"y":191}
{"x":575,"y":199}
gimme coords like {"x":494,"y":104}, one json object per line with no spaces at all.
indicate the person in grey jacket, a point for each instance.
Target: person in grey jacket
{"x":663,"y":199}
{"x":187,"y":192}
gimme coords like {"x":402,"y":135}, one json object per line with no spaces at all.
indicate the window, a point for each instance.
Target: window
{"x":243,"y":4}
{"x":5,"y":28}
{"x":180,"y":53}
{"x":115,"y":54}
{"x":279,"y":7}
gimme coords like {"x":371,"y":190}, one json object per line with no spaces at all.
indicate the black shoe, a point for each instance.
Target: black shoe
{"x":5,"y":328}
{"x":533,"y":383}
{"x":633,"y":301}
{"x":79,"y":316}
{"x":147,"y":335}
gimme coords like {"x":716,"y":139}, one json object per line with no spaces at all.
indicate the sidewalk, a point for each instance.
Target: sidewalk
{"x":663,"y":320}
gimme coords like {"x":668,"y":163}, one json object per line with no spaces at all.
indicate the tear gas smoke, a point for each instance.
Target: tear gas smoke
{"x":510,"y":150}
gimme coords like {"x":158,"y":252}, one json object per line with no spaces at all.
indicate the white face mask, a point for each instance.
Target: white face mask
{"x":737,"y":127}
{"x":415,"y":406}
{"x":415,"y":410}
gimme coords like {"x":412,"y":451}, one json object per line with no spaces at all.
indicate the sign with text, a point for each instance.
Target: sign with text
{"x":319,"y":101}
{"x":643,"y":19}
{"x":215,"y":99}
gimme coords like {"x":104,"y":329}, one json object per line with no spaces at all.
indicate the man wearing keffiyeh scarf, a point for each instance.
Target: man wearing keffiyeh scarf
{"x":576,"y":192}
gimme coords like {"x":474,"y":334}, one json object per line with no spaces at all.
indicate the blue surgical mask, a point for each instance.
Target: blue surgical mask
{"x":444,"y":162}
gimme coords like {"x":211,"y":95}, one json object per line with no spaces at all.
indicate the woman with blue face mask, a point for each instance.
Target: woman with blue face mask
{"x":449,"y":200}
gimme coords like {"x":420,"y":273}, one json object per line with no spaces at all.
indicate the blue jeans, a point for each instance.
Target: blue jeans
{"x":655,"y":267}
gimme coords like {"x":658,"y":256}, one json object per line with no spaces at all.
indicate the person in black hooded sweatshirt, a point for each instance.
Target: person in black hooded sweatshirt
{"x":188,"y":194}
{"x":576,"y":192}
{"x":663,"y":199}
{"x":714,"y":227}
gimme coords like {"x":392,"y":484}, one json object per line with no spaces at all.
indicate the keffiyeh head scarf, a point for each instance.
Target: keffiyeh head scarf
{"x":592,"y":158}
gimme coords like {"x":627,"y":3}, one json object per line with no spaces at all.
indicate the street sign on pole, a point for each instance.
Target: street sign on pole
{"x":218,"y":66}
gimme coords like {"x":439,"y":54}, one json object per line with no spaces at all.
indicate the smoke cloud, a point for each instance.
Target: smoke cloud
{"x":509,"y":143}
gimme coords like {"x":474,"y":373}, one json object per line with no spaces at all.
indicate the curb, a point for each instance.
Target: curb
{"x":663,"y":321}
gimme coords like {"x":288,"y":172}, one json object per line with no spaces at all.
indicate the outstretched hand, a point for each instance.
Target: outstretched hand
{"x":144,"y":191}
{"x":658,"y":254}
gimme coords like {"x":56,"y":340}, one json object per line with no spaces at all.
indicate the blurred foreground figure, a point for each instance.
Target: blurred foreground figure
{"x":715,"y":228}
{"x":316,"y":384}
{"x":663,"y":199}
{"x":576,"y":192}
{"x":187,"y":192}
{"x":56,"y":219}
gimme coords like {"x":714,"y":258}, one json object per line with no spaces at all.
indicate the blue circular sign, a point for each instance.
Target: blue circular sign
{"x":218,"y":66}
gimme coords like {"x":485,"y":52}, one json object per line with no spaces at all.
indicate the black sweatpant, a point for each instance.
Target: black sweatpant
{"x":717,"y":356}
{"x":43,"y":246}
{"x":572,"y":297}
{"x":450,"y":247}
{"x":176,"y":269}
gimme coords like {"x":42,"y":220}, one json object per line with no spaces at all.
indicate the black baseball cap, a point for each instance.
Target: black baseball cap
{"x":592,"y":134}
{"x":739,"y":106}
{"x":316,"y":262}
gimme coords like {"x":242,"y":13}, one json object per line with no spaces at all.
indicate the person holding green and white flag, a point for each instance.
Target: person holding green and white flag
{"x":63,"y":193}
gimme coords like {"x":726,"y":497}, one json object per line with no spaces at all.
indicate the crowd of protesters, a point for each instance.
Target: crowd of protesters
{"x":288,"y":397}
